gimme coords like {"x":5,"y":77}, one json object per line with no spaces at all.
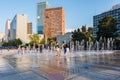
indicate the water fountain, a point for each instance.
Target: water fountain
{"x":35,"y":61}
{"x":98,"y":50}
{"x":19,"y":49}
{"x":93,"y":50}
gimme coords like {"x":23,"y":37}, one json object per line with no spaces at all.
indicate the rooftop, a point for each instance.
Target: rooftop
{"x":42,"y":3}
{"x":116,"y":6}
{"x":56,"y":8}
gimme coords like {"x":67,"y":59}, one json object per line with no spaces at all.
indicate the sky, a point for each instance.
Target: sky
{"x":77,"y":12}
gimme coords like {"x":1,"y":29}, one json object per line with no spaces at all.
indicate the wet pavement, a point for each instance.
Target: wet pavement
{"x":48,"y":66}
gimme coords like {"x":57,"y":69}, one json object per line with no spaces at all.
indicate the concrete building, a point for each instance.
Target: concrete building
{"x":7,"y":30}
{"x":29,"y":28}
{"x":54,"y":22}
{"x":19,"y":28}
{"x":40,"y":16}
{"x":2,"y":35}
{"x":64,"y":38}
{"x":114,"y":12}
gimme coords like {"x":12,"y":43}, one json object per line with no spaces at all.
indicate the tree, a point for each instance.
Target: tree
{"x":107,"y":28}
{"x":87,"y":35}
{"x":77,"y":35}
{"x":15,"y":42}
{"x":51,"y":41}
{"x":117,"y":43}
{"x":42,"y":41}
{"x":34,"y":39}
{"x":90,"y":30}
{"x":83,"y":29}
{"x":84,"y":34}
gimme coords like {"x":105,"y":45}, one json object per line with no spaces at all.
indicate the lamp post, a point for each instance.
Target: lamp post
{"x":38,"y":18}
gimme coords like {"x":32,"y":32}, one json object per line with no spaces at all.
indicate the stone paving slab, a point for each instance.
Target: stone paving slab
{"x":34,"y":67}
{"x":12,"y":77}
{"x":29,"y":75}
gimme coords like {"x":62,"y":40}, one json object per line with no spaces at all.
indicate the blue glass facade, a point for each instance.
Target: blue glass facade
{"x":40,"y":29}
{"x":40,"y":16}
{"x":13,"y":29}
{"x":115,"y":13}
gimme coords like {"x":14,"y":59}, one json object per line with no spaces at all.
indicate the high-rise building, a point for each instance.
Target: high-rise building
{"x":29,"y":28}
{"x":18,"y":28}
{"x":7,"y":30}
{"x":54,"y":22}
{"x":114,"y":12}
{"x":40,"y":16}
{"x":2,"y":35}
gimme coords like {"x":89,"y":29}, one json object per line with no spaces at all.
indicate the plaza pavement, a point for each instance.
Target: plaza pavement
{"x":48,"y":66}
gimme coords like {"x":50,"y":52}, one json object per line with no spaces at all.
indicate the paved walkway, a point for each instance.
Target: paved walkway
{"x":48,"y":66}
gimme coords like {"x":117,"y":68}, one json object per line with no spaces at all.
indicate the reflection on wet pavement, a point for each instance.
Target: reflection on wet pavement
{"x":41,"y":67}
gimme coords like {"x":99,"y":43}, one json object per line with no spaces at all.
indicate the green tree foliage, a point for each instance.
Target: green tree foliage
{"x":42,"y":41}
{"x":107,"y":28}
{"x":77,"y":35}
{"x":117,"y":43}
{"x":34,"y":39}
{"x":51,"y":41}
{"x":83,"y":34}
{"x":90,"y":30}
{"x":83,"y":29}
{"x":15,"y":42}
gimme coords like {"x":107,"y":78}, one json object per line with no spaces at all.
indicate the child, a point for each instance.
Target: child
{"x":67,"y":50}
{"x":64,"y":47}
{"x":58,"y":51}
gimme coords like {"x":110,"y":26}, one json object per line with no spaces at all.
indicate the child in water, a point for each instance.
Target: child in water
{"x":58,"y":51}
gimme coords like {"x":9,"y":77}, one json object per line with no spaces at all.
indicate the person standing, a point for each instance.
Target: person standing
{"x":58,"y":51}
{"x":40,"y":48}
{"x":22,"y":50}
{"x":67,"y":50}
{"x":64,"y":48}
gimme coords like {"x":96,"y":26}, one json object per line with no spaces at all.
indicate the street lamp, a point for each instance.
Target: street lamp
{"x":38,"y":17}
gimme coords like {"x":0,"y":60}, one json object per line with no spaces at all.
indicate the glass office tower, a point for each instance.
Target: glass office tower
{"x":114,"y":12}
{"x":40,"y":16}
